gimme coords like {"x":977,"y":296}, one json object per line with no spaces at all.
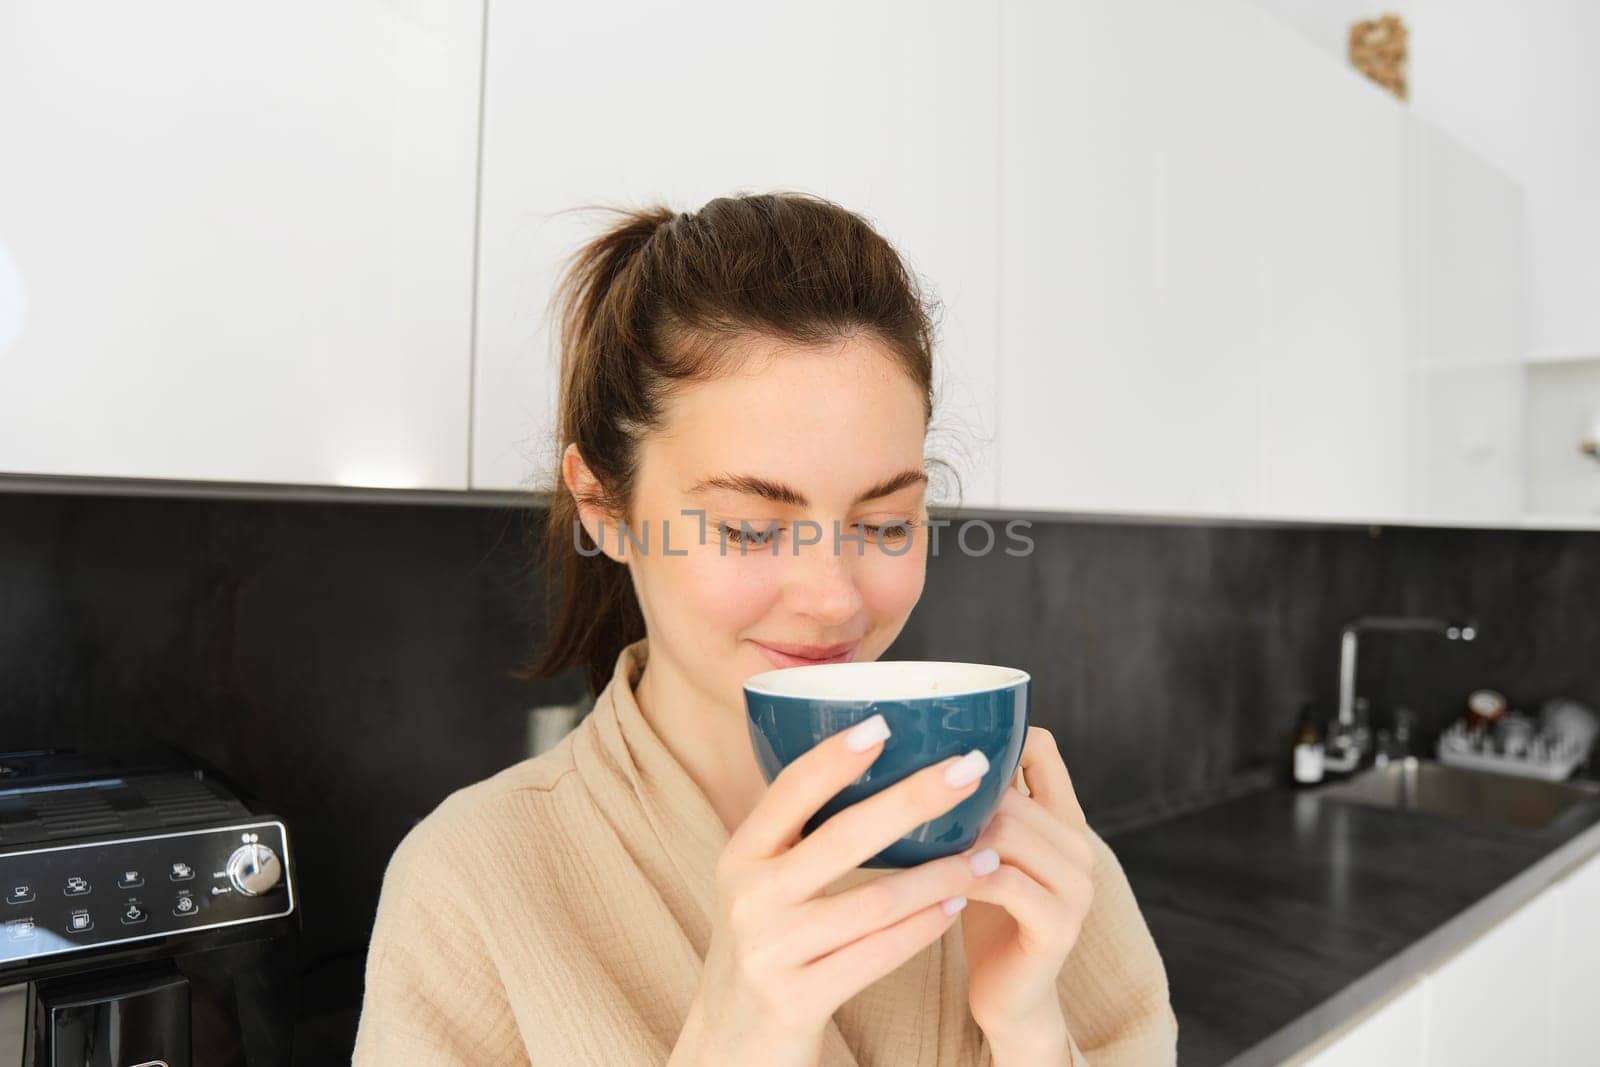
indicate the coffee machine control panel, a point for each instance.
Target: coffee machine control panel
{"x":75,"y":897}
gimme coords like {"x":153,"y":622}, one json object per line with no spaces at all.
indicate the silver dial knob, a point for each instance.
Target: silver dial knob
{"x":254,"y":869}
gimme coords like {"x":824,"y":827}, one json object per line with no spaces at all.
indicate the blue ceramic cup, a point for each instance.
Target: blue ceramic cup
{"x":934,"y":710}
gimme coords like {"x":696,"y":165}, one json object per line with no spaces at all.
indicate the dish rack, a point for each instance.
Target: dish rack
{"x":1547,"y":755}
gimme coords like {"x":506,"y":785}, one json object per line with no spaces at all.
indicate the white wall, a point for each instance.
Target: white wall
{"x":1327,"y":22}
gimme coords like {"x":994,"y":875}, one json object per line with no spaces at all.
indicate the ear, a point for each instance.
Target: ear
{"x":583,"y":485}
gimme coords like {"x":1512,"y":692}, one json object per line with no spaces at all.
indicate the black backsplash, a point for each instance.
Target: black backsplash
{"x":350,"y":662}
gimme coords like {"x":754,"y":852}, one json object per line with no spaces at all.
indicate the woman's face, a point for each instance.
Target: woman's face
{"x":811,"y":448}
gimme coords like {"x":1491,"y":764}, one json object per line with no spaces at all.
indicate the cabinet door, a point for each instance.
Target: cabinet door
{"x":1469,"y":331}
{"x":1577,"y":977}
{"x":887,"y":108}
{"x":1335,"y":290}
{"x":1490,"y":1003}
{"x":1131,"y":255}
{"x":245,"y":237}
{"x":1469,"y":218}
{"x":1468,"y":444}
{"x":1394,"y":1034}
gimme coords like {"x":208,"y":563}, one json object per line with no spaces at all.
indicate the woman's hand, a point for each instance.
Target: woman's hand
{"x":783,"y":954}
{"x":1026,"y":916}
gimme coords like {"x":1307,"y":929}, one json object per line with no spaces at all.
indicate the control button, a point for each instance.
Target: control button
{"x":20,"y":894}
{"x":130,"y":880}
{"x":77,"y":886}
{"x":20,"y":930}
{"x":79,"y":921}
{"x":253,"y":869}
{"x":186,"y":904}
{"x":134,"y":914}
{"x":181,"y":872}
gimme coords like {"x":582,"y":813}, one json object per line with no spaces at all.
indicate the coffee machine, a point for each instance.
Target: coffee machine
{"x":147,"y":918}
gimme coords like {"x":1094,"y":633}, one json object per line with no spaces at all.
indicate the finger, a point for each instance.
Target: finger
{"x":1046,"y":775}
{"x":1045,"y":920}
{"x":1068,"y":839}
{"x":1024,"y":845}
{"x":831,"y":922}
{"x":844,"y":973}
{"x":862,"y":830}
{"x":813,"y":779}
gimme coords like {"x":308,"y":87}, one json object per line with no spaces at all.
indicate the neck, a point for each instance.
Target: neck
{"x":708,"y":739}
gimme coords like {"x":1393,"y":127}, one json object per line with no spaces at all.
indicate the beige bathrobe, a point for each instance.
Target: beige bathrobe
{"x":558,"y":913}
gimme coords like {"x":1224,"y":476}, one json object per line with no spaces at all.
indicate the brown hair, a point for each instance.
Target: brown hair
{"x":661,"y":298}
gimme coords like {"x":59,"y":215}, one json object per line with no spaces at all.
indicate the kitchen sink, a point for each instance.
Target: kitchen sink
{"x":1478,"y":796}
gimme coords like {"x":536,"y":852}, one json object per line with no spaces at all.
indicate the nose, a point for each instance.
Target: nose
{"x":820,"y":582}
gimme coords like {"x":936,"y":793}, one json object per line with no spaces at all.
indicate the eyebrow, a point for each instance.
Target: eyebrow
{"x":783,"y":494}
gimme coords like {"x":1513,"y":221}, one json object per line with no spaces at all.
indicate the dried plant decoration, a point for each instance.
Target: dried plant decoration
{"x":1378,"y":50}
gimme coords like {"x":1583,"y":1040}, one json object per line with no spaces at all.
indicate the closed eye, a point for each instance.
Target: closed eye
{"x":897,"y":531}
{"x":762,"y":534}
{"x":748,"y":534}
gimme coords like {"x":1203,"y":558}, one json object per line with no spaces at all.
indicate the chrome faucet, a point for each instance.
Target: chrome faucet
{"x":1346,"y":737}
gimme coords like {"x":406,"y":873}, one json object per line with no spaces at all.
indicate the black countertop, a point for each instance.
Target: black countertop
{"x":1281,"y":915}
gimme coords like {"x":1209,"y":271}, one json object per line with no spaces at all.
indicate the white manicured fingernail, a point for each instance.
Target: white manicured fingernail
{"x":866,"y":733}
{"x":966,"y":770}
{"x":984,"y":861}
{"x":953,"y":905}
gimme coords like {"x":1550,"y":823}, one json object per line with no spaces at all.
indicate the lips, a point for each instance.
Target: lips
{"x":790,"y":655}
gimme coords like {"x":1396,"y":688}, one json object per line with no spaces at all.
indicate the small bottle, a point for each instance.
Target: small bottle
{"x":1307,"y":749}
{"x":1383,"y":749}
{"x":1361,"y":732}
{"x":1405,"y":724}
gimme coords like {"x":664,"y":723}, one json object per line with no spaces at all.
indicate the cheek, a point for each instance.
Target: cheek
{"x":889,"y":585}
{"x":719,"y":592}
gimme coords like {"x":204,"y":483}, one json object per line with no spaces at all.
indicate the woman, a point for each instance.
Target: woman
{"x":745,"y":396}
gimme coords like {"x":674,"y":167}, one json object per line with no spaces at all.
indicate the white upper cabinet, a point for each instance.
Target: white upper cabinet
{"x":244,"y":234}
{"x":1334,"y":291}
{"x":887,"y":108}
{"x":1131,"y":244}
{"x":1188,"y":264}
{"x":1237,"y":278}
{"x":1468,"y":444}
{"x":1470,"y":331}
{"x":1518,"y":85}
{"x":1469,"y":235}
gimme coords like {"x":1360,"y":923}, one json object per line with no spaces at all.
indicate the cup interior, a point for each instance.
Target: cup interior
{"x":884,"y":680}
